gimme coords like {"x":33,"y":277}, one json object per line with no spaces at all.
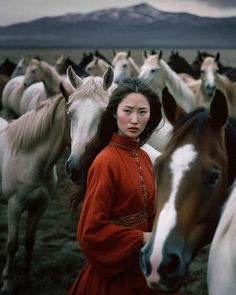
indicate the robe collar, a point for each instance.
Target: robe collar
{"x":124,"y":142}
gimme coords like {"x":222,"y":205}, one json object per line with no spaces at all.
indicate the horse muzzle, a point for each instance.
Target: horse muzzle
{"x":166,"y":270}
{"x":72,"y":171}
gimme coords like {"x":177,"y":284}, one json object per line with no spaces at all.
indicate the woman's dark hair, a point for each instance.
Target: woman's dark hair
{"x":108,"y":125}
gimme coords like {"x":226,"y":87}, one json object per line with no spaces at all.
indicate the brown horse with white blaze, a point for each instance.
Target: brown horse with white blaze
{"x":193,"y":175}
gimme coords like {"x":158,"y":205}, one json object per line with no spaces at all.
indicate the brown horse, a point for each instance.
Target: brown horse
{"x":192,"y":178}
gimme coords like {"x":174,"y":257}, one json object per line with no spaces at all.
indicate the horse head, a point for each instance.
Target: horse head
{"x":86,"y":103}
{"x":209,"y":71}
{"x":192,"y":181}
{"x":150,"y":70}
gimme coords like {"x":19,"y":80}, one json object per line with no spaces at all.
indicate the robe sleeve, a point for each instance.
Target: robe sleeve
{"x":110,"y":248}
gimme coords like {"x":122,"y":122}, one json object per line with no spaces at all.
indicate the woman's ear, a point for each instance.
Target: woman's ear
{"x":115,"y":116}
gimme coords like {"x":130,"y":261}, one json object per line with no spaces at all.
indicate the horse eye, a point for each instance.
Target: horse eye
{"x":213,"y":178}
{"x":153,"y":70}
{"x":125,"y":66}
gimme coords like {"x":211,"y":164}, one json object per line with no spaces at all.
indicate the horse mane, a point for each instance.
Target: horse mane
{"x":134,"y":66}
{"x":193,"y":122}
{"x":92,"y":87}
{"x":30,"y":129}
{"x":48,"y":69}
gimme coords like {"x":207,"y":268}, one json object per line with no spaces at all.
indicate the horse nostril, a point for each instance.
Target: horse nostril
{"x":170,"y":267}
{"x":145,"y":263}
{"x":67,"y":168}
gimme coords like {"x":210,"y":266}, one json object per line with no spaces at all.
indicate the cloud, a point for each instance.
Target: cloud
{"x":219,"y":3}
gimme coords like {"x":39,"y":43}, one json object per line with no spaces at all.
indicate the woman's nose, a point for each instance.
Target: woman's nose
{"x":134,"y":118}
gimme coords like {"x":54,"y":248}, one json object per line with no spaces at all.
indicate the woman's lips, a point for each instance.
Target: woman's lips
{"x":133,"y":129}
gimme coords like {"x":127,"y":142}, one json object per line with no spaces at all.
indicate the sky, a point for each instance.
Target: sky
{"x":14,"y":11}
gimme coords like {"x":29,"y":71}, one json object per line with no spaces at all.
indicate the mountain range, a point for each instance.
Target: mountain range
{"x":139,"y":26}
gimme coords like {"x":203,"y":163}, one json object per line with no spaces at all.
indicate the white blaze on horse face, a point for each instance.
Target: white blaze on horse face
{"x":181,"y":162}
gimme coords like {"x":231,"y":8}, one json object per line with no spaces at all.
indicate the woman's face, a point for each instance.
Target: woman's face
{"x":132,"y":115}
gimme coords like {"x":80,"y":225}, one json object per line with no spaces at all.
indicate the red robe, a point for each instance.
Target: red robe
{"x":115,"y":189}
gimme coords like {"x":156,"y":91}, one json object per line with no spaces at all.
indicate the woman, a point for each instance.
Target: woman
{"x":119,"y":198}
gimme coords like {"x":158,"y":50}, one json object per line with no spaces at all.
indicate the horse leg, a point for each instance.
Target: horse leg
{"x":14,"y":211}
{"x":35,"y":211}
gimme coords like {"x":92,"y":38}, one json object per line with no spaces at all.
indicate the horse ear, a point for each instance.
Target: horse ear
{"x":217,"y":58}
{"x":63,"y":91}
{"x":129,"y":54}
{"x":200,"y":57}
{"x":172,"y":110}
{"x":108,"y":78}
{"x":160,"y":55}
{"x":145,"y":55}
{"x":114,"y":52}
{"x":75,"y":80}
{"x":218,"y":113}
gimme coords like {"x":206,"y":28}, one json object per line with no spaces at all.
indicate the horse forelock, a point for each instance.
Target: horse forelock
{"x":31,"y":128}
{"x":208,"y":61}
{"x":92,"y":88}
{"x":120,"y":56}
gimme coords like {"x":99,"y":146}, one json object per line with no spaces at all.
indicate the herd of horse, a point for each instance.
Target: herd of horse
{"x":48,"y":108}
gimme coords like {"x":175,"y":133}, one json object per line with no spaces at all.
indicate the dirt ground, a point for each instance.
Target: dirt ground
{"x":57,"y":257}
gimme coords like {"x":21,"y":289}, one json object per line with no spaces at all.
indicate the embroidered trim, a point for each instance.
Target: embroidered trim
{"x":140,"y":217}
{"x":131,"y":220}
{"x":122,"y":146}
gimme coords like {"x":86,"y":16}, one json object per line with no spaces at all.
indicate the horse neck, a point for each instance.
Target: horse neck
{"x":177,"y":87}
{"x":102,"y":66}
{"x":134,"y":68}
{"x":58,"y":137}
{"x":229,"y":90}
{"x":41,"y":133}
{"x":51,"y":79}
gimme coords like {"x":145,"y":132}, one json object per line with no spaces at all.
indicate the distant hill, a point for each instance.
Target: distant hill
{"x":139,"y":26}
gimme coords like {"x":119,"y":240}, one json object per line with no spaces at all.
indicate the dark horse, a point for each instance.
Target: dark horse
{"x":192,"y":177}
{"x":180,"y":65}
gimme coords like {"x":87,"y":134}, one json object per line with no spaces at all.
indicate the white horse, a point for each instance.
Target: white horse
{"x":158,"y":74}
{"x":210,"y":81}
{"x":29,"y":149}
{"x":11,"y":95}
{"x":97,"y":67}
{"x":21,"y":67}
{"x":42,"y":81}
{"x":87,"y":102}
{"x":221,"y":273}
{"x":124,"y":66}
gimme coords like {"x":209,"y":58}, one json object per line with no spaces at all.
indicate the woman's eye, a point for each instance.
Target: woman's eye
{"x":127,"y":111}
{"x":143,"y":112}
